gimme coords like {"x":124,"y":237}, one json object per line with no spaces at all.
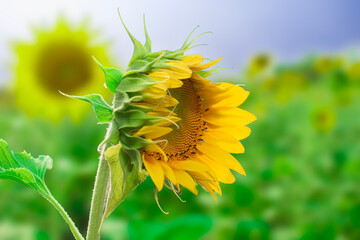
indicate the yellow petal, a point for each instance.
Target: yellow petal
{"x":167,"y":79}
{"x":207,"y":181}
{"x":221,"y":172}
{"x":224,"y":141}
{"x":157,"y":91}
{"x":200,"y":67}
{"x":153,"y":147}
{"x":178,"y":69}
{"x":152,"y":132}
{"x":233,"y":97}
{"x":206,"y":185}
{"x":229,"y":117}
{"x":155,"y":171}
{"x":209,"y":90}
{"x":220,"y":156}
{"x":166,"y":101}
{"x":189,"y":165}
{"x":201,"y":81}
{"x":165,"y":123}
{"x":169,"y":173}
{"x":238,"y":132}
{"x":185,"y":180}
{"x":160,"y":76}
{"x":192,"y":60}
{"x":160,"y":112}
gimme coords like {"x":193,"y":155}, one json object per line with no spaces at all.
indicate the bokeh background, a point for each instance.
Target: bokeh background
{"x":299,"y":59}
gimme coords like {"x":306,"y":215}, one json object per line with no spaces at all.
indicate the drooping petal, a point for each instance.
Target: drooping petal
{"x":169,"y":173}
{"x":185,"y":180}
{"x":155,"y":171}
{"x":221,"y":172}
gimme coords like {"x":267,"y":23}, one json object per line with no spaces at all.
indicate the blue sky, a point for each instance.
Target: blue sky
{"x":287,"y":29}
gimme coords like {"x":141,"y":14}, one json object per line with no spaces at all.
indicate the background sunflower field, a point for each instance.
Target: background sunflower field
{"x":302,"y":158}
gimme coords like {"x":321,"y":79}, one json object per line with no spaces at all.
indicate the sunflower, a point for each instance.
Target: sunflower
{"x":174,"y":123}
{"x":58,"y":60}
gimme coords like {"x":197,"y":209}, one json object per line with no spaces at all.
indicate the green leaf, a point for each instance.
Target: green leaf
{"x":125,"y":173}
{"x":103,"y":111}
{"x":24,"y":168}
{"x":112,"y":76}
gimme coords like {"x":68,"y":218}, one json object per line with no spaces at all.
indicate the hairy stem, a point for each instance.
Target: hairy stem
{"x":73,"y":228}
{"x":98,"y":201}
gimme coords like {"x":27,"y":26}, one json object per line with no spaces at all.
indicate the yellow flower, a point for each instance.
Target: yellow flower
{"x":182,"y":127}
{"x":58,"y":60}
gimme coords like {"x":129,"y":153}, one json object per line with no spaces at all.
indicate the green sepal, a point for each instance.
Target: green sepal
{"x":120,"y":100}
{"x":24,"y":168}
{"x":148,"y":40}
{"x":126,"y":174}
{"x":142,"y":96}
{"x":136,"y":82}
{"x":112,"y":76}
{"x":132,"y":118}
{"x":207,"y":73}
{"x":143,"y":65}
{"x":103,"y":111}
{"x":133,"y":142}
{"x":161,"y":64}
{"x":175,"y":54}
{"x":139,"y":49}
{"x":154,"y":55}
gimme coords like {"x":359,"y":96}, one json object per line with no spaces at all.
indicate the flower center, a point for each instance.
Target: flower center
{"x":64,"y":66}
{"x":182,"y":141}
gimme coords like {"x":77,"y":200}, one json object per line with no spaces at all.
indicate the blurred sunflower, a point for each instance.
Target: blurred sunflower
{"x":327,"y":64}
{"x":259,"y":64}
{"x":58,"y":60}
{"x":354,"y":72}
{"x":323,"y":119}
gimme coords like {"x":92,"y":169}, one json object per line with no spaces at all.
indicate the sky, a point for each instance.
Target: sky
{"x":289,"y":30}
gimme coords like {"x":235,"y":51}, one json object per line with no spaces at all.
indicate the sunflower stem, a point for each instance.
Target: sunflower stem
{"x":98,"y":201}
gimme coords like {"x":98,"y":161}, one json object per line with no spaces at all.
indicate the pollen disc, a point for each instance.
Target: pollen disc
{"x":181,"y":142}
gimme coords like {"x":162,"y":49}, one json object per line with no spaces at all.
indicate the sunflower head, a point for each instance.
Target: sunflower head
{"x":168,"y":120}
{"x":58,"y":60}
